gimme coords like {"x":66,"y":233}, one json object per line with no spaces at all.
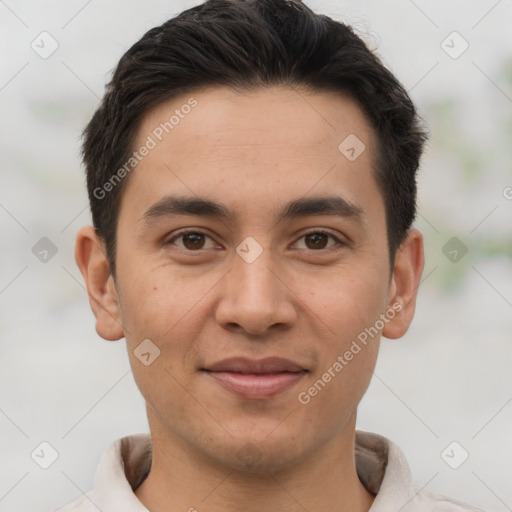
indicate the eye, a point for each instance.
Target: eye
{"x":318,"y":240}
{"x":190,"y":240}
{"x":195,"y":241}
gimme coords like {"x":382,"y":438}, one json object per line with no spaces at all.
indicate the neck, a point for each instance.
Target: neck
{"x":181,"y":479}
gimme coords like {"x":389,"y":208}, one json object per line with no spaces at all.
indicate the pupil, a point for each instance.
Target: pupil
{"x":317,"y":239}
{"x":195,"y":239}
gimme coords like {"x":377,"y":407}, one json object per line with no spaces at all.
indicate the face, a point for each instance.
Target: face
{"x":252,"y":253}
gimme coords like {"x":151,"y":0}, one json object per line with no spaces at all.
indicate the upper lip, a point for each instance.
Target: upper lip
{"x":246,"y":365}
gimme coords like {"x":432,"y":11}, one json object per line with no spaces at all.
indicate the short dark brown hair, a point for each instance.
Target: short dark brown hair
{"x":247,"y":44}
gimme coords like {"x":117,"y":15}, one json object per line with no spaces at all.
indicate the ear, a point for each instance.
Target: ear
{"x":405,"y":280}
{"x":91,"y":259}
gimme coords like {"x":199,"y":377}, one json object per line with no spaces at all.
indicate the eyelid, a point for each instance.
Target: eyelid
{"x":339,"y":242}
{"x":188,"y":231}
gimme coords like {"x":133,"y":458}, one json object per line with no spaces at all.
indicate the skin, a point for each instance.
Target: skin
{"x":201,"y":302}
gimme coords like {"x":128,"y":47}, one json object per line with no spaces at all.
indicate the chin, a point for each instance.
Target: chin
{"x":260,"y":451}
{"x":263,"y":458}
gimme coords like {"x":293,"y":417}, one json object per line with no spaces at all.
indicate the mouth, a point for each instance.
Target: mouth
{"x":256,"y":379}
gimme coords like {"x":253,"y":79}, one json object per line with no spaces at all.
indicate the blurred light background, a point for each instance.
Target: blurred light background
{"x":449,"y":379}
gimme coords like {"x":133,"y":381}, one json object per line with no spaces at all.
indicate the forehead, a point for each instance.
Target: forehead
{"x":268,"y":115}
{"x":267,"y":142}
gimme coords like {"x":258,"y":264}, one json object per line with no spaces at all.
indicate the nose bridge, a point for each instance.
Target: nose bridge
{"x":253,"y":297}
{"x":252,"y":277}
{"x":255,"y":276}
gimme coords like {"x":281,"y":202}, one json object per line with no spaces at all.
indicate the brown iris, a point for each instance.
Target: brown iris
{"x":193,"y":240}
{"x":313,"y":240}
{"x":319,"y":240}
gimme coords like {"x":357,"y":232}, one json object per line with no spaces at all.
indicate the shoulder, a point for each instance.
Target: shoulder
{"x":123,"y":465}
{"x":384,"y":471}
{"x":440,"y":503}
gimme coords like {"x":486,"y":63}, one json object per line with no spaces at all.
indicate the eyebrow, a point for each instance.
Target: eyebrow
{"x":171,"y":206}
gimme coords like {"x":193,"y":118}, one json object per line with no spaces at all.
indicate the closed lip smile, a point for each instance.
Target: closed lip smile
{"x":256,"y":378}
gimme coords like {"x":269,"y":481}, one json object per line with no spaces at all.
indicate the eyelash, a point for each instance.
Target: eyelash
{"x":339,"y":243}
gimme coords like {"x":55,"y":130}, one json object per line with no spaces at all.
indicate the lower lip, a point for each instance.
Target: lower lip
{"x":258,"y":386}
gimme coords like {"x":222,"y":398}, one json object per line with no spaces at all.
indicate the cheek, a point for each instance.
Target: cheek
{"x":349,"y":309}
{"x":347,"y":301}
{"x":154,"y":299}
{"x":170,"y":309}
{"x":349,"y":349}
{"x":158,"y":310}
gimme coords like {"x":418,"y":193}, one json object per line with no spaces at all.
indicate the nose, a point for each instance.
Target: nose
{"x":256,"y":297}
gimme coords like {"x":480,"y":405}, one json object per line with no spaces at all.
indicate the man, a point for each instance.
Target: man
{"x":251,"y":173}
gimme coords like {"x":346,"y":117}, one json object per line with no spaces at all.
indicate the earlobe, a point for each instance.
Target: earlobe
{"x":93,"y":264}
{"x":407,"y":270}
